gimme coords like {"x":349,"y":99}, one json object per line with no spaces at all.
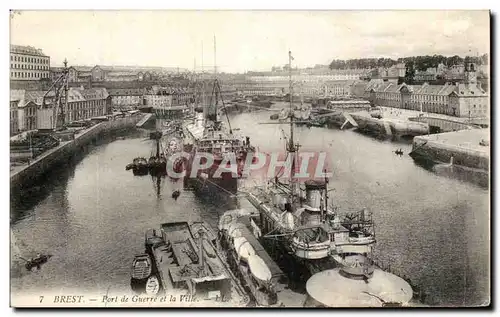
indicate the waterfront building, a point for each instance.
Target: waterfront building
{"x":82,"y":104}
{"x":338,"y":88}
{"x":248,"y":87}
{"x":22,"y":111}
{"x":132,"y":97}
{"x":94,"y":102}
{"x":14,"y":125}
{"x":466,"y":99}
{"x":28,"y":63}
{"x":27,"y":116}
{"x":158,"y":101}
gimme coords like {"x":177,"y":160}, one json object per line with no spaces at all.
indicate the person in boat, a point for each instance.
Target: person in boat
{"x":176,"y":194}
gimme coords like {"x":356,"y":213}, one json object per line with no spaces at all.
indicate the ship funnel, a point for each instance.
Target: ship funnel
{"x":357,"y":266}
{"x":314,"y":190}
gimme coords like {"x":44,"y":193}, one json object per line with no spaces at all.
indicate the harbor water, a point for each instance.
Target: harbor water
{"x":91,"y":215}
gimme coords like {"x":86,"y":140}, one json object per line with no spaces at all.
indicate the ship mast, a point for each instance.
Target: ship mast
{"x":291,"y":148}
{"x":203,"y":85}
{"x":215,"y":58}
{"x":216,"y":94}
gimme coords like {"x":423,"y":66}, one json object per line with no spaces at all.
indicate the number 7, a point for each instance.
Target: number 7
{"x":41,"y":299}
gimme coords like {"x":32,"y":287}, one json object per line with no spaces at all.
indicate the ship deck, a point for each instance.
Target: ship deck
{"x":276,"y":272}
{"x":180,"y":264}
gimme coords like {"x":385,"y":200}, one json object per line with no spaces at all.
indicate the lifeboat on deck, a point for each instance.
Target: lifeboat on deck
{"x":259,"y":269}
{"x":243,"y":248}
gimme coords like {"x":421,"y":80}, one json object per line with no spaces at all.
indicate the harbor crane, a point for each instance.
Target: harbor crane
{"x":59,"y":90}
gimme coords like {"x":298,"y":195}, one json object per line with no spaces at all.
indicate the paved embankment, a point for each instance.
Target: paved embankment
{"x":461,"y":148}
{"x":25,"y":174}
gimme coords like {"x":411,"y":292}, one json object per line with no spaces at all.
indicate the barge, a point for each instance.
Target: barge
{"x":185,"y":261}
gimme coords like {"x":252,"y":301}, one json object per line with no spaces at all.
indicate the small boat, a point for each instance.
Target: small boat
{"x":37,"y":261}
{"x":139,"y":166}
{"x":141,"y":271}
{"x":176,"y":194}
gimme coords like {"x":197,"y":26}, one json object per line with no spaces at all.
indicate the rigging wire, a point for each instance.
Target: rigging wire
{"x":225,"y":110}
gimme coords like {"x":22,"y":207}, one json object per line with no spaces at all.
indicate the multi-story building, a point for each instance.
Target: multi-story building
{"x":425,"y":75}
{"x":180,"y":96}
{"x":27,"y":108}
{"x":82,"y":104}
{"x":22,"y":111}
{"x":337,"y":88}
{"x":466,"y":99}
{"x":455,"y":72}
{"x":27,"y":116}
{"x":248,"y":87}
{"x":431,"y":73}
{"x":96,"y":102}
{"x":14,"y":121}
{"x":28,"y":63}
{"x":57,"y":72}
{"x":158,"y":101}
{"x":16,"y":99}
{"x":392,"y":73}
{"x":132,"y":97}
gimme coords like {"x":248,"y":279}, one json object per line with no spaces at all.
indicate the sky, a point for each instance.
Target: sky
{"x":246,"y":40}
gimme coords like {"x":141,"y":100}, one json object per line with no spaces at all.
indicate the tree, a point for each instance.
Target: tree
{"x":484,"y":59}
{"x":410,"y":72}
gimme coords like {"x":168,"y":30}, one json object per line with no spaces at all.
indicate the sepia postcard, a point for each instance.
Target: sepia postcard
{"x":334,"y":159}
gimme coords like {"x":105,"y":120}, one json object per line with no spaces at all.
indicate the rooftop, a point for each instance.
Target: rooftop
{"x":19,"y":49}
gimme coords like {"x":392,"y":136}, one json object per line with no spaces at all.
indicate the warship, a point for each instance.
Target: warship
{"x":297,"y":219}
{"x":331,"y":253}
{"x":207,"y":135}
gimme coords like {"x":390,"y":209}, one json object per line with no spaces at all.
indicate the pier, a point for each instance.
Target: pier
{"x":468,"y":148}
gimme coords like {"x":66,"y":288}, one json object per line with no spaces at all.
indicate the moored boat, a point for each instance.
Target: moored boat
{"x":208,"y":136}
{"x":139,"y":166}
{"x":142,"y":269}
{"x":37,"y":261}
{"x":297,"y":222}
{"x":186,"y":262}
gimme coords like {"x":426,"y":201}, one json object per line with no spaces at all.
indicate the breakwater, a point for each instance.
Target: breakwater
{"x":25,"y":175}
{"x":461,"y":148}
{"x":462,"y":154}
